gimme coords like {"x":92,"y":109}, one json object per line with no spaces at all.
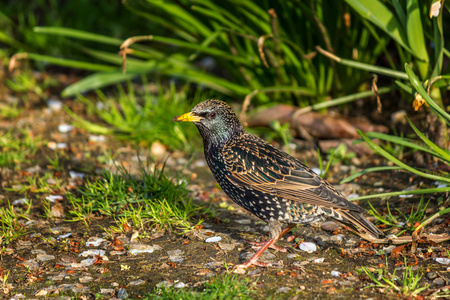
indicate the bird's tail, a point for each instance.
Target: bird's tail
{"x":356,"y":218}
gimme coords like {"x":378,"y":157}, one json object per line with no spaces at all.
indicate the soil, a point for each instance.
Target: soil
{"x":44,"y":263}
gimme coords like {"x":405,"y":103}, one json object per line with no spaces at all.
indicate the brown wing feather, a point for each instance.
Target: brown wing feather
{"x":254,"y":163}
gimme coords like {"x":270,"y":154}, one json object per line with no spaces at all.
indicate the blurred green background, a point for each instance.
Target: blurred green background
{"x":311,"y":54}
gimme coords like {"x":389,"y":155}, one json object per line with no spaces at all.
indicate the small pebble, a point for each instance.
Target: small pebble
{"x":85,"y":279}
{"x":317,"y":171}
{"x":137,"y":282}
{"x":254,"y":272}
{"x":438,"y":281}
{"x":107,"y":291}
{"x":180,"y":285}
{"x":94,"y":241}
{"x":44,"y":257}
{"x":54,"y":105}
{"x":335,"y":273}
{"x":212,"y":265}
{"x":97,"y":138}
{"x":319,"y":260}
{"x":76,"y":175}
{"x":63,"y":236}
{"x":283,"y":290}
{"x":21,"y":201}
{"x":330,"y":225}
{"x":92,"y":252}
{"x":226,"y":247}
{"x":65,"y":128}
{"x":338,"y":238}
{"x":176,"y":255}
{"x":164,"y":284}
{"x":244,"y":221}
{"x":352,"y":196}
{"x":213,"y":239}
{"x":122,"y":294}
{"x":135,"y":249}
{"x":432,"y":275}
{"x":52,"y":198}
{"x":442,"y":260}
{"x":308,"y":247}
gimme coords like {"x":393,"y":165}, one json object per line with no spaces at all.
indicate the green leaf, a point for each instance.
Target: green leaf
{"x":416,"y":39}
{"x":96,"y":81}
{"x":377,"y":13}
{"x":82,"y":65}
{"x":419,"y":88}
{"x":79,"y":34}
{"x":444,"y":154}
{"x":405,"y":87}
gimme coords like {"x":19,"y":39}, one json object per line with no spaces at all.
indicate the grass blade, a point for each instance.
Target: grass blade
{"x":79,"y":34}
{"x":376,"y":12}
{"x":419,"y":88}
{"x":391,"y":158}
{"x":96,"y":81}
{"x":415,"y":192}
{"x":444,"y":154}
{"x":368,"y":170}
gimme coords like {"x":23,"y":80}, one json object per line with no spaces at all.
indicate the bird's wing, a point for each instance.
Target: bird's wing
{"x":255,"y":164}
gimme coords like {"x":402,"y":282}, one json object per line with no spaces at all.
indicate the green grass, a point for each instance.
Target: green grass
{"x":11,"y":226}
{"x":149,"y":198}
{"x":407,"y":285}
{"x":25,"y":81}
{"x":16,"y":147}
{"x":226,"y":287}
{"x":144,"y":116}
{"x":402,"y":220}
{"x":38,"y":184}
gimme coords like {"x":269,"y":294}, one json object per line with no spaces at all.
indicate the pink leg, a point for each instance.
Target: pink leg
{"x":260,"y":244}
{"x":254,"y":259}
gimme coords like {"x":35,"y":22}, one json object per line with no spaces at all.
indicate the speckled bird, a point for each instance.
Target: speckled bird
{"x":266,"y":181}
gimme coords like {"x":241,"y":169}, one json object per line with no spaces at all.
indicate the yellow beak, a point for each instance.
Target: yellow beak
{"x":187,"y":117}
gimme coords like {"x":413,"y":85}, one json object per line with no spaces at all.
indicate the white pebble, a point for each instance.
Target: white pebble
{"x":179,"y":285}
{"x":308,"y":247}
{"x":213,"y":239}
{"x":19,"y":201}
{"x":52,"y":198}
{"x":54,"y":105}
{"x":92,"y":252}
{"x":442,"y":260}
{"x":319,"y":260}
{"x":65,"y":235}
{"x":94,"y":241}
{"x":317,"y":171}
{"x":76,"y":175}
{"x":65,"y":128}
{"x":97,"y":138}
{"x":352,"y":196}
{"x":335,"y":273}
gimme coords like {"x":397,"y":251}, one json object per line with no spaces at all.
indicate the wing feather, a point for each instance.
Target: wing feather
{"x":256,"y":164}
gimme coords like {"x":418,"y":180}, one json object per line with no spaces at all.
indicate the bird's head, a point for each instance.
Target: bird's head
{"x":215,"y":120}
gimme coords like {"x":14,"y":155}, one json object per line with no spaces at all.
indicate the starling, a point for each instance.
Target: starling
{"x":266,"y":181}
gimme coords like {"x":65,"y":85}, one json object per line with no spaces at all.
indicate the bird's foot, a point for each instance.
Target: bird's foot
{"x":241,"y":267}
{"x":260,"y":244}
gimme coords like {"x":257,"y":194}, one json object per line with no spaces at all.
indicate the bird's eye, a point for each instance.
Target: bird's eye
{"x":212,"y":115}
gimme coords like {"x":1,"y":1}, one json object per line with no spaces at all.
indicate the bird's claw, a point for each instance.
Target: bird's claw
{"x":260,"y":244}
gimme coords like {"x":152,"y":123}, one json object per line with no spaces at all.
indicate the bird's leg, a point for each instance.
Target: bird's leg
{"x":260,"y":244}
{"x":254,"y":259}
